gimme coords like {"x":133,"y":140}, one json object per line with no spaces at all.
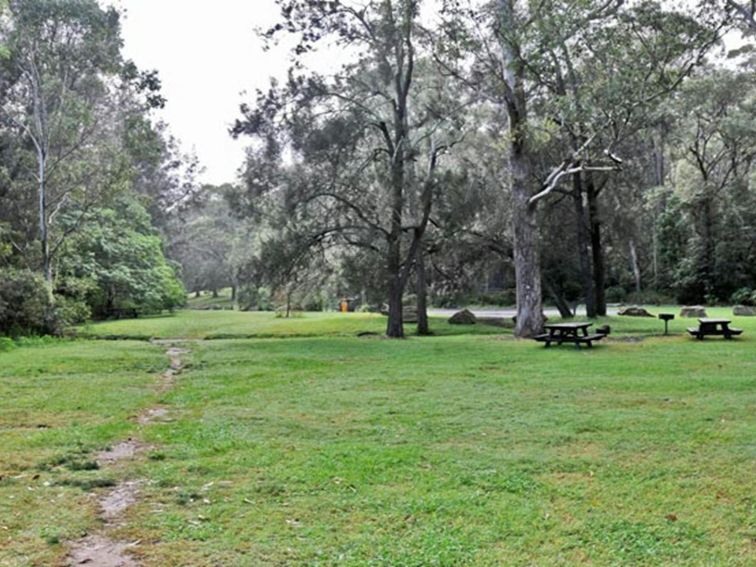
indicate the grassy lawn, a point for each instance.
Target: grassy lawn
{"x":238,"y":324}
{"x":60,"y":402}
{"x":207,"y":301}
{"x":329,"y":449}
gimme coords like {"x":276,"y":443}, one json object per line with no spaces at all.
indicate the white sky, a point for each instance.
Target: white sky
{"x":207,"y":54}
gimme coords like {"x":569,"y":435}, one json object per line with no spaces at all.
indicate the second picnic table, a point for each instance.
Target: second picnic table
{"x":720,"y":327}
{"x":576,"y":333}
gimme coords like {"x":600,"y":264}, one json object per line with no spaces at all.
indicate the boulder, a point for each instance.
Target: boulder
{"x":409,"y":313}
{"x":464,"y":317}
{"x":634,"y":311}
{"x":693,"y":311}
{"x":744,"y":311}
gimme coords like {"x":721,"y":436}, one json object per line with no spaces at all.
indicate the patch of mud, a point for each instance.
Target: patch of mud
{"x":118,"y":500}
{"x":153,"y":415}
{"x":99,"y":551}
{"x":120,"y":452}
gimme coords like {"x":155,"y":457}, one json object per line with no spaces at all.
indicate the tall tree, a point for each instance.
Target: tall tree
{"x":367,"y":139}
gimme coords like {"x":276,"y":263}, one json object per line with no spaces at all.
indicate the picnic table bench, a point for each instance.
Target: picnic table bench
{"x":714,"y":327}
{"x":576,"y":333}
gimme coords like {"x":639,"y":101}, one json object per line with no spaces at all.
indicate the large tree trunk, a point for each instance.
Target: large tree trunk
{"x":597,"y":246}
{"x":527,"y":257}
{"x":421,"y":290}
{"x":395,"y":325}
{"x":527,"y":266}
{"x":586,"y":272}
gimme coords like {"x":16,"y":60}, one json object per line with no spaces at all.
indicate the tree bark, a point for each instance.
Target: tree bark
{"x":527,"y":257}
{"x":395,"y":325}
{"x":586,"y":272}
{"x":43,"y":236}
{"x":635,"y":266}
{"x":421,"y":290}
{"x":597,"y":246}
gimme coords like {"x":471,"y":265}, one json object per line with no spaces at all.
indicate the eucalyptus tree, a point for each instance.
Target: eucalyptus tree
{"x":364,"y":142}
{"x":67,"y":91}
{"x":558,"y":70}
{"x":717,"y":136}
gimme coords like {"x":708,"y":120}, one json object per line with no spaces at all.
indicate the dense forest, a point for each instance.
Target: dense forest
{"x":466,"y":152}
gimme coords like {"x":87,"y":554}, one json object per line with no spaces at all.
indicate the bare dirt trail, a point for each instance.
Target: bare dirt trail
{"x":99,"y":550}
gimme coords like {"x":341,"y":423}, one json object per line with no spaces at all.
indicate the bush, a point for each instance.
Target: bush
{"x":6,"y":344}
{"x":616,"y":294}
{"x":253,"y":298}
{"x":26,"y":304}
{"x":744,"y":296}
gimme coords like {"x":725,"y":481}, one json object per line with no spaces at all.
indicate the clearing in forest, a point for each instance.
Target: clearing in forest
{"x":321,"y":447}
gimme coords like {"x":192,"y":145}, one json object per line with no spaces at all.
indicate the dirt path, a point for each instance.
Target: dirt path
{"x":99,"y":550}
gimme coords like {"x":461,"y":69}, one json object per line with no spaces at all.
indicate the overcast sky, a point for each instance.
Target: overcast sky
{"x":206,"y":54}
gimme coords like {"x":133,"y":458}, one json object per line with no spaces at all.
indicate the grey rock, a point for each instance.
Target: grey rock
{"x":464,"y":317}
{"x":634,"y":311}
{"x":693,"y":311}
{"x":744,"y":311}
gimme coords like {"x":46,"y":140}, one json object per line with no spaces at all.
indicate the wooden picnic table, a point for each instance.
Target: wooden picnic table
{"x":576,"y":333}
{"x":714,"y":327}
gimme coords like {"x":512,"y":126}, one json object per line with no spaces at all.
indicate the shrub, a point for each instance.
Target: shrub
{"x":616,"y":294}
{"x":744,"y":296}
{"x":26,"y":304}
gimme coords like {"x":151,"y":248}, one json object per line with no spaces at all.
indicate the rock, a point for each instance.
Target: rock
{"x":744,"y":311}
{"x":634,"y":311}
{"x":603,"y":330}
{"x":409,"y":314}
{"x":694,"y":311}
{"x":464,"y":317}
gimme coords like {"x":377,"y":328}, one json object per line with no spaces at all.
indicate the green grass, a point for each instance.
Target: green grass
{"x":239,"y":324}
{"x":207,"y":301}
{"x":59,"y":403}
{"x":335,"y":450}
